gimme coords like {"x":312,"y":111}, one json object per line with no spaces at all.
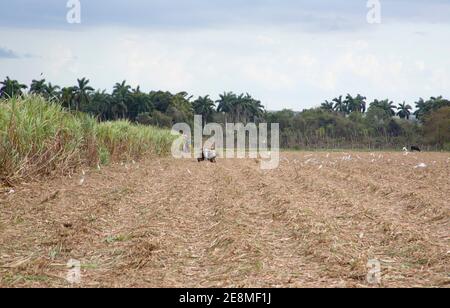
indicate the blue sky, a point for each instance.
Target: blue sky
{"x":288,"y":53}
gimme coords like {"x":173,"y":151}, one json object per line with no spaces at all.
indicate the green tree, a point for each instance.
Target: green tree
{"x":121,"y":96}
{"x":327,"y":106}
{"x":355,"y":104}
{"x":256,"y":111}
{"x":340,"y":105}
{"x":139,"y":103}
{"x":11,"y":88}
{"x":180,"y":109}
{"x":437,"y":127}
{"x":68,"y":97}
{"x":404,"y":111}
{"x":226,"y":104}
{"x":425,"y":108}
{"x":377,"y":119}
{"x":100,"y":105}
{"x":51,"y":91}
{"x":422,"y":108}
{"x":387,"y":105}
{"x":361,"y":103}
{"x":204,"y":106}
{"x":161,"y":100}
{"x":247,"y":109}
{"x":38,"y":87}
{"x":82,"y":93}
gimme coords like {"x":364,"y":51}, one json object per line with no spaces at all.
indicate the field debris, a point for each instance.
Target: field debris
{"x":367,"y":223}
{"x":83,"y":178}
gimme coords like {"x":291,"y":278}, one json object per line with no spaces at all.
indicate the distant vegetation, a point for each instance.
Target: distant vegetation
{"x":38,"y":137}
{"x":343,"y":122}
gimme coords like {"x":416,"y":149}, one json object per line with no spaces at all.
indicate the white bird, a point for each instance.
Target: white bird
{"x":347,"y":158}
{"x":406,"y":151}
{"x":422,"y":165}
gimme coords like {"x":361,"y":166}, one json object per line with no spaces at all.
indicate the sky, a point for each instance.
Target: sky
{"x":287,"y":53}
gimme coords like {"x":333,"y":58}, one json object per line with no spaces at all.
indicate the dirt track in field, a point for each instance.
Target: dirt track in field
{"x":314,"y":222}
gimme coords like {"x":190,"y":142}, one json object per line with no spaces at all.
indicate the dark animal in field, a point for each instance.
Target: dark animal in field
{"x":415,"y":149}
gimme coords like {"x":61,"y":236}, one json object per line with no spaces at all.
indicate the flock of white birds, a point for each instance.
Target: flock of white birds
{"x":317,"y":160}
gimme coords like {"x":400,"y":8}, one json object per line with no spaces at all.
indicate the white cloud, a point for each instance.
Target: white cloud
{"x":291,"y":69}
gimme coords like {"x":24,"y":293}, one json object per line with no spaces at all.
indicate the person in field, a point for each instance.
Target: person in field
{"x":208,"y":155}
{"x":186,"y":142}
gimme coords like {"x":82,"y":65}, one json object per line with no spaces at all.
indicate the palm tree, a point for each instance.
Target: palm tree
{"x":51,"y":92}
{"x":119,"y":109}
{"x":138,"y":103}
{"x":38,"y":87}
{"x":438,"y":103}
{"x":386,"y":105}
{"x":121,"y":95}
{"x":389,"y":106}
{"x":100,"y":105}
{"x":327,"y":106}
{"x":361,"y":103}
{"x":404,"y":111}
{"x":424,"y":108}
{"x":204,"y":106}
{"x":246,"y":109}
{"x":355,"y":104}
{"x":351,"y":104}
{"x":122,"y":90}
{"x":339,"y":105}
{"x":11,"y":88}
{"x":421,"y":108}
{"x":256,"y":110}
{"x":137,"y":90}
{"x":242,"y":108}
{"x":67,"y":97}
{"x":226,"y":103}
{"x":82,"y":93}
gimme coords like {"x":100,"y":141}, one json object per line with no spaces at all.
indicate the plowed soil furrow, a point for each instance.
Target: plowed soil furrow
{"x":315,"y":221}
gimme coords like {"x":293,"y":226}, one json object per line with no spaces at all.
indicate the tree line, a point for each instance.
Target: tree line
{"x":342,"y":122}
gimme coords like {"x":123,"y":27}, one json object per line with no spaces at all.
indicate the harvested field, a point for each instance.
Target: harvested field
{"x":314,"y":222}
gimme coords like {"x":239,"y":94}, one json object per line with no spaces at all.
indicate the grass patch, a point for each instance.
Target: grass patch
{"x":38,"y":138}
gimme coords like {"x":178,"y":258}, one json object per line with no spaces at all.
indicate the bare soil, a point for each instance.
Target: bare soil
{"x":314,"y":222}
